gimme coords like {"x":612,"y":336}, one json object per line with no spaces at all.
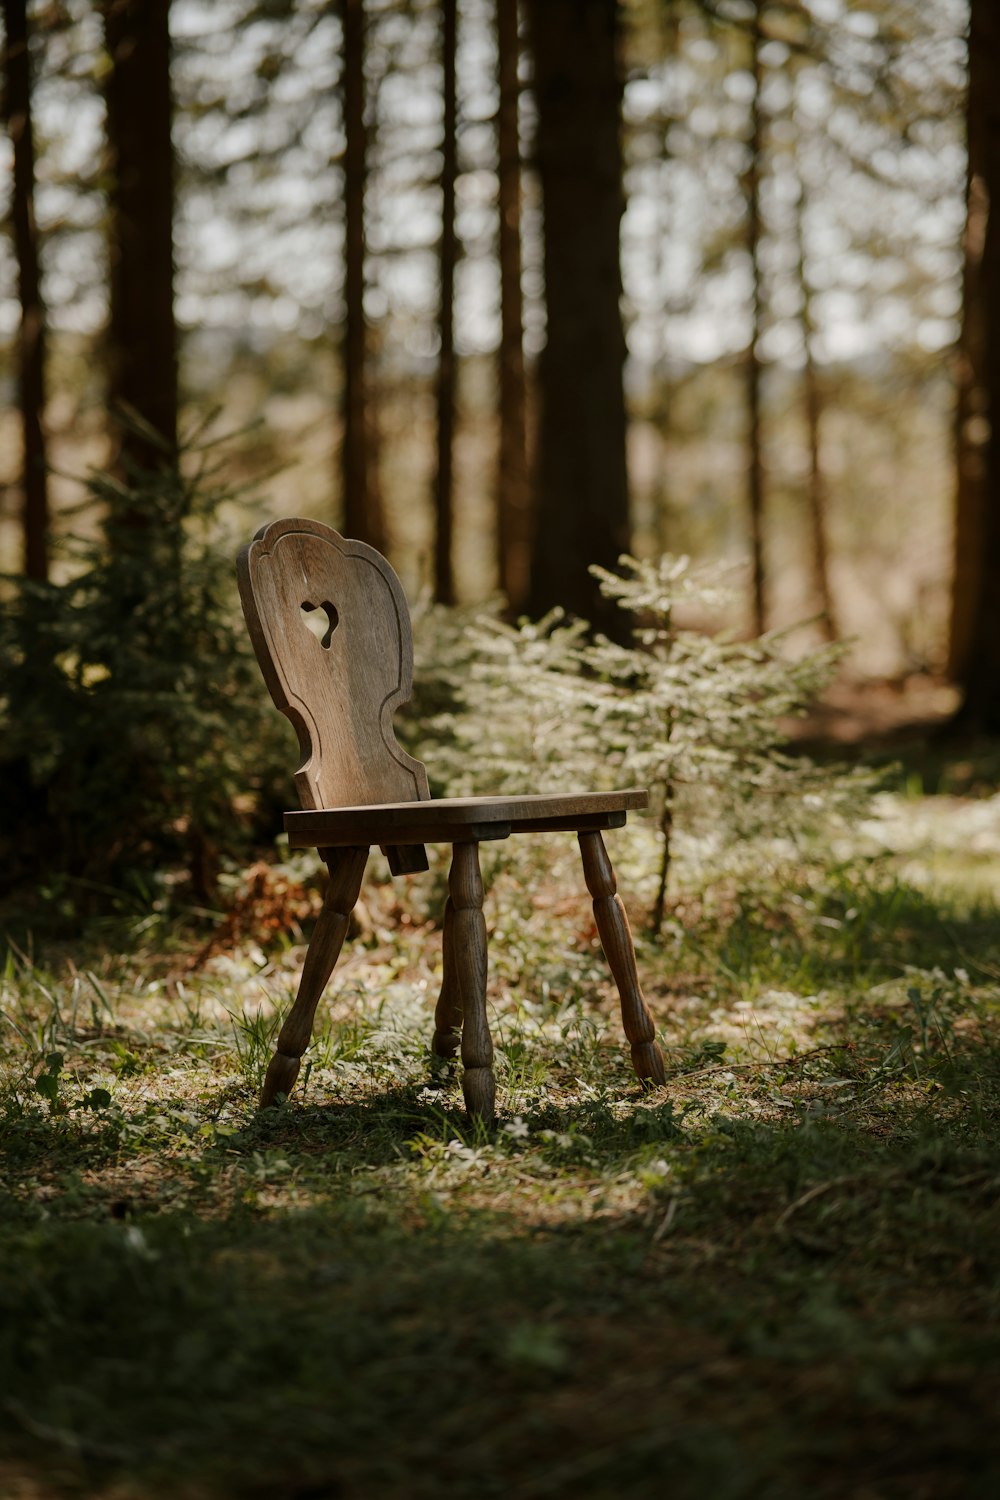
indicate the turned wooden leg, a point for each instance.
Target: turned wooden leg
{"x":448,"y":1013}
{"x":468,"y":960}
{"x":616,"y":939}
{"x":347,"y":867}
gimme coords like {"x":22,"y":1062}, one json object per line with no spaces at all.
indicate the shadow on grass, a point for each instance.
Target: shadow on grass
{"x":340,"y":1301}
{"x":791,"y":1287}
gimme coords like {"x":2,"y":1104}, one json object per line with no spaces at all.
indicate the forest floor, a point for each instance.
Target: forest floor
{"x":777,"y":1275}
{"x":870,"y":714}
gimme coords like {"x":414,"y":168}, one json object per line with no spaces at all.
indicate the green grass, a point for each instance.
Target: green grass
{"x":778,"y":1276}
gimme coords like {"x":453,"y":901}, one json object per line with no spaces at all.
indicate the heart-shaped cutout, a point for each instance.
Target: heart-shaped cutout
{"x":321,"y":620}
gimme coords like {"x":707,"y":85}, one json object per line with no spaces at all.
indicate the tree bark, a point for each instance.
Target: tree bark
{"x":813,"y":399}
{"x":142,"y":336}
{"x":979,"y":407}
{"x":513,"y":500}
{"x":362,"y":508}
{"x":582,"y":484}
{"x":32,"y":329}
{"x":971,"y":396}
{"x":444,"y":574}
{"x":755,"y":455}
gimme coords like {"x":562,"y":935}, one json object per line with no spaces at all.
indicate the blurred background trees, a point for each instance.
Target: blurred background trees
{"x":30,"y":358}
{"x":974,"y":644}
{"x":582,"y":513}
{"x":138,"y":168}
{"x":508,"y":290}
{"x":396,"y":231}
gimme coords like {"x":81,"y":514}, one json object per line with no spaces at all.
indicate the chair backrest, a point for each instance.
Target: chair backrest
{"x":331,"y":629}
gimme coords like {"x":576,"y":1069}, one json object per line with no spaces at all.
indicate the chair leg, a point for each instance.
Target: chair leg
{"x":616,"y":939}
{"x":468,"y":966}
{"x":448,"y":1013}
{"x":347,"y":868}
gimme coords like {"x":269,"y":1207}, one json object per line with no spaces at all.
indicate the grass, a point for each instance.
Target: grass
{"x":777,"y":1276}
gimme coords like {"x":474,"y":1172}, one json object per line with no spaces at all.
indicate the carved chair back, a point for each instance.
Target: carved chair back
{"x":330,"y":626}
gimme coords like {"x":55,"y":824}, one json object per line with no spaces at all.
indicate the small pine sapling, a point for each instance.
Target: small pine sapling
{"x":509,"y":714}
{"x":700,"y":718}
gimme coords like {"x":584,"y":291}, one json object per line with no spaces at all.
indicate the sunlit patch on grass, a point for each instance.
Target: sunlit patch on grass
{"x":789,"y":1250}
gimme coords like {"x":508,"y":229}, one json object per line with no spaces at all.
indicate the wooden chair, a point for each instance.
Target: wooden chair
{"x":340,"y":685}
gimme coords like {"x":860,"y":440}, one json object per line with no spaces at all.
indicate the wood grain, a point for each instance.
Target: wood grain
{"x":405,"y":859}
{"x":465,"y":886}
{"x":340,"y":696}
{"x":448,"y":1013}
{"x":347,"y":868}
{"x":454,"y":820}
{"x":314,"y":835}
{"x":616,"y":940}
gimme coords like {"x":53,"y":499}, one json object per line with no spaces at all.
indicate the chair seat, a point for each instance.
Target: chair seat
{"x":452,"y":820}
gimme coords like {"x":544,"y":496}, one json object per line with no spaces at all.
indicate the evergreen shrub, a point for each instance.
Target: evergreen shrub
{"x":700,"y":719}
{"x":135,"y":731}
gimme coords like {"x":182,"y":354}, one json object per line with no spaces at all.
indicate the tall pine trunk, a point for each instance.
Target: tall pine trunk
{"x":444,"y":574}
{"x":513,"y":498}
{"x":31,"y":333}
{"x":582,"y":484}
{"x":813,"y":400}
{"x":142,"y":336}
{"x":362,"y":508}
{"x":971,"y":394}
{"x":980,"y":669}
{"x":755,"y":449}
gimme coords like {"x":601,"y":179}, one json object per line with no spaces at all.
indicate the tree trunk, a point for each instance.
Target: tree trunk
{"x":583,"y":505}
{"x":971,"y":396}
{"x":755,"y":458}
{"x":362,"y":509}
{"x":31,"y":334}
{"x":444,"y":576}
{"x":142,"y":339}
{"x":816,"y":492}
{"x":980,"y":674}
{"x":513,"y":499}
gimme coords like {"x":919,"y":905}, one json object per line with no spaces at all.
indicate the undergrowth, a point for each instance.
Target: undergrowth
{"x":777,"y":1275}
